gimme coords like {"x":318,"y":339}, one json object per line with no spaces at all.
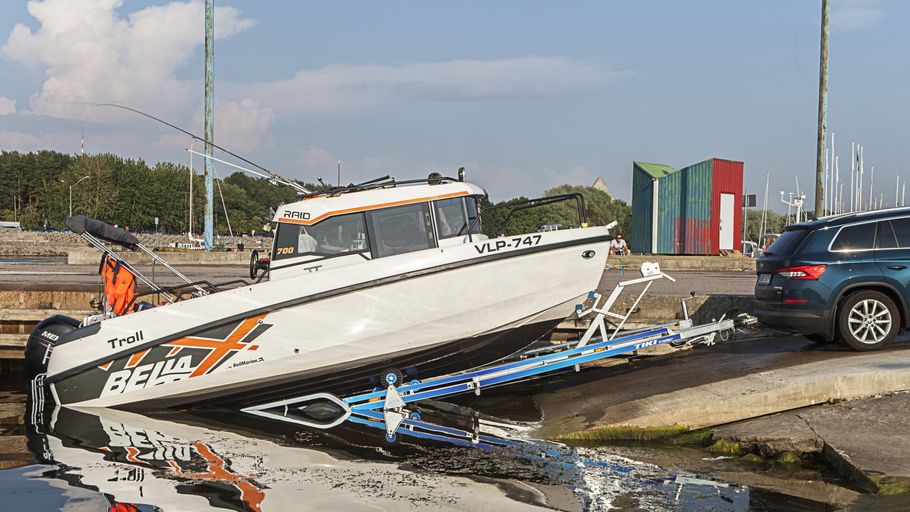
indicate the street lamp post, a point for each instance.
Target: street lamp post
{"x":71,"y":193}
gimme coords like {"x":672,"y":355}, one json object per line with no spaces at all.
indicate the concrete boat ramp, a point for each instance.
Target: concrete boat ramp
{"x":775,"y":397}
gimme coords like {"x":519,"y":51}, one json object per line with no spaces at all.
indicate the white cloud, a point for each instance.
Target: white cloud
{"x":20,"y":141}
{"x":346,"y":88}
{"x":24,"y":141}
{"x":855,"y":14}
{"x":92,"y":55}
{"x":239,"y":126}
{"x":242,"y":125}
{"x":92,"y":52}
{"x":7,"y":106}
{"x":501,"y":181}
{"x":316,"y":160}
{"x":505,"y":181}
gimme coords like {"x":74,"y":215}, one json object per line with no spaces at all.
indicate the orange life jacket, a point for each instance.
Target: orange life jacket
{"x":123,"y":507}
{"x":119,"y":285}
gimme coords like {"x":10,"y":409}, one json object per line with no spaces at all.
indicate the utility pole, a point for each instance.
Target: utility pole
{"x":764,"y":214}
{"x":745,"y":215}
{"x":71,"y":193}
{"x":209,"y":122}
{"x":339,"y":173}
{"x":822,"y":112}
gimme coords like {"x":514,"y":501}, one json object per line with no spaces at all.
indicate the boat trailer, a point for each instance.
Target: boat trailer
{"x":393,"y":409}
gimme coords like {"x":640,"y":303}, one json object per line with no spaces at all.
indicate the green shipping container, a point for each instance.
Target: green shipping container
{"x":696,"y":207}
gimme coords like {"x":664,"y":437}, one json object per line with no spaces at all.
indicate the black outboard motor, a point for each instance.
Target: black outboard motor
{"x":42,"y":340}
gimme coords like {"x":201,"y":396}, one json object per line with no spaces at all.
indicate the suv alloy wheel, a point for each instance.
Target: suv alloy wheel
{"x":868,"y":320}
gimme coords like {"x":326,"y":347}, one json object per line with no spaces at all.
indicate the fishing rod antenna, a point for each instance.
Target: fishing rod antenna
{"x":271,"y":174}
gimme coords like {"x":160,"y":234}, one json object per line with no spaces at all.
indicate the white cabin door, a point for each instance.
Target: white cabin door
{"x":726,"y":221}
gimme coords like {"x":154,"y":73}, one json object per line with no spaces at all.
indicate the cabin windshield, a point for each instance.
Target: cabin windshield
{"x":333,"y":236}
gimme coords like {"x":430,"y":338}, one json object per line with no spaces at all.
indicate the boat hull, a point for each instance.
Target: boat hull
{"x":452,"y":309}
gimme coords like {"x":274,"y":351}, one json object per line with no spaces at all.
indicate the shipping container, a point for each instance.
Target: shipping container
{"x":693,"y":210}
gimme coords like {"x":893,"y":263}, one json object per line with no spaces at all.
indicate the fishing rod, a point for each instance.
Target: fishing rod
{"x":271,"y":174}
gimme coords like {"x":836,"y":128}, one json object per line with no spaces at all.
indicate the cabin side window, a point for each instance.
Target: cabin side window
{"x":331,"y":237}
{"x":401,"y":229}
{"x":454,"y":217}
{"x":450,"y":217}
{"x":471,"y":207}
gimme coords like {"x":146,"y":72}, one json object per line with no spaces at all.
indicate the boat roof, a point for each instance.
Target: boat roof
{"x":317,"y":207}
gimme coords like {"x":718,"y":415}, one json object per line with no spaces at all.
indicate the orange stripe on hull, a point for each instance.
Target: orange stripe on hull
{"x":372,"y":207}
{"x":218,"y":348}
{"x":136,"y":358}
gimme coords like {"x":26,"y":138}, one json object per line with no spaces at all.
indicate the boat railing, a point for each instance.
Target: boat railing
{"x":526,"y":205}
{"x":96,"y":232}
{"x":178,"y":291}
{"x":388,"y":182}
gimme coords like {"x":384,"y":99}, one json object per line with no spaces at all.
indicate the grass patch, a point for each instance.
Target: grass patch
{"x":788,"y":459}
{"x":893,"y":486}
{"x":673,"y":435}
{"x":699,"y":438}
{"x":606,"y":435}
{"x":726,"y":448}
{"x":752,"y":458}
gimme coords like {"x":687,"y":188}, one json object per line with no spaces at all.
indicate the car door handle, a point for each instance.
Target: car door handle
{"x":897,"y":267}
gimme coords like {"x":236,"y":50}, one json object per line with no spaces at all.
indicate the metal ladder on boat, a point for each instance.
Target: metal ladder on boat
{"x":389,"y":408}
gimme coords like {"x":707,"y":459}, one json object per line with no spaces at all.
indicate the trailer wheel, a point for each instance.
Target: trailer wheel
{"x":391,"y":376}
{"x":868,"y":320}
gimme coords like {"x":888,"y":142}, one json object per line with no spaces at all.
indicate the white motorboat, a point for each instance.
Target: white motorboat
{"x":382,"y":278}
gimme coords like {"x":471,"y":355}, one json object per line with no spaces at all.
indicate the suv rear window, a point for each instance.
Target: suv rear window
{"x":854,"y":238}
{"x":901,"y":231}
{"x":885,"y":238}
{"x":787,"y":242}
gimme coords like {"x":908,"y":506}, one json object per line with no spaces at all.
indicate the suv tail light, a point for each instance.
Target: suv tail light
{"x":804,"y":272}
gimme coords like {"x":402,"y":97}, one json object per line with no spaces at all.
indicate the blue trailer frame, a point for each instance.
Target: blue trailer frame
{"x":387,"y":408}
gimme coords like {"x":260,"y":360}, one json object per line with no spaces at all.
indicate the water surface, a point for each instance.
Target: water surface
{"x":456,"y":459}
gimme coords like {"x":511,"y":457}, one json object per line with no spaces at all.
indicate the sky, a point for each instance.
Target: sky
{"x":526,"y":95}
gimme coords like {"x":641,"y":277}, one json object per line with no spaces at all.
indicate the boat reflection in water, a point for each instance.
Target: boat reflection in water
{"x":227,"y":461}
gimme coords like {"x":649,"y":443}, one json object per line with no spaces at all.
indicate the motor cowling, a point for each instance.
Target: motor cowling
{"x":41,"y":342}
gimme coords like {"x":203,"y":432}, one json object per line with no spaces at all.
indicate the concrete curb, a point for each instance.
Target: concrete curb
{"x":90,"y":256}
{"x":764,"y":393}
{"x":740,"y":409}
{"x":863,"y":440}
{"x":676,"y":263}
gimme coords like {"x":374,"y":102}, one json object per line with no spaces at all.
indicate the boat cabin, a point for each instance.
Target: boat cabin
{"x":348,"y":226}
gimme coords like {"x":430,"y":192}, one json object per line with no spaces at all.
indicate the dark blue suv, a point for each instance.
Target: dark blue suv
{"x":845,"y":277}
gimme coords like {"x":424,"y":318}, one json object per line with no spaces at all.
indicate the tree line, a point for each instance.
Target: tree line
{"x":35,"y":190}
